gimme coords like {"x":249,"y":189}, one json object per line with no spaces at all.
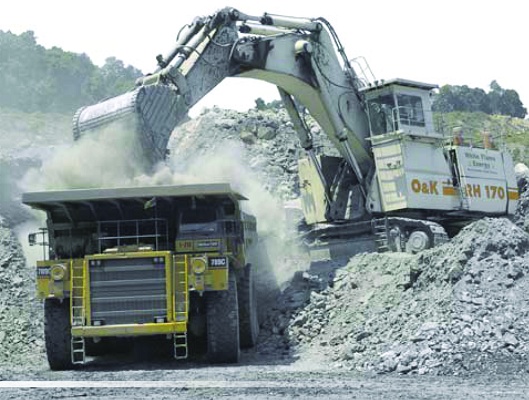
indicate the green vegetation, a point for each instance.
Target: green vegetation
{"x":34,"y":79}
{"x":498,"y":101}
{"x":262,"y":105}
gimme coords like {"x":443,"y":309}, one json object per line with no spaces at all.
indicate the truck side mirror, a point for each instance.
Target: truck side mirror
{"x":32,"y":239}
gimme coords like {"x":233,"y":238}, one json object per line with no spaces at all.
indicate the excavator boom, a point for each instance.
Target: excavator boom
{"x":303,"y":57}
{"x":395,"y":169}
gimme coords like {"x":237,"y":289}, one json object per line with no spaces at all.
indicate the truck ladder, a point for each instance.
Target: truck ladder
{"x":380,"y":230}
{"x":181,"y":304}
{"x":77,"y":315}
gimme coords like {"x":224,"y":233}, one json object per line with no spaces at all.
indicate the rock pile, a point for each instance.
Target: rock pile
{"x":21,"y":336}
{"x":271,"y":146}
{"x":521,"y":217}
{"x":462,"y":307}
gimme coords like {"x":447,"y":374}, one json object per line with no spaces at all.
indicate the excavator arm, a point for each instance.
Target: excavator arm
{"x":302,"y":57}
{"x":161,"y":100}
{"x":396,"y":173}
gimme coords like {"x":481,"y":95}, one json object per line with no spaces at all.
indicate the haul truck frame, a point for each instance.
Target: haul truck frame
{"x":167,"y":261}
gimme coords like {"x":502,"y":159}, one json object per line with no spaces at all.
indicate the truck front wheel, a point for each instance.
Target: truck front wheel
{"x":57,"y":334}
{"x":223,"y":324}
{"x":248,"y":321}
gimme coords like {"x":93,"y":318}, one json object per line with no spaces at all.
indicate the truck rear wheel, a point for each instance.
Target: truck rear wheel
{"x":248,"y":319}
{"x":223,"y":324}
{"x":57,"y":334}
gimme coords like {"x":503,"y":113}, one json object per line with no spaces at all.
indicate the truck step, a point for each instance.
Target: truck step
{"x":181,"y":308}
{"x":78,"y":350}
{"x":180,"y":346}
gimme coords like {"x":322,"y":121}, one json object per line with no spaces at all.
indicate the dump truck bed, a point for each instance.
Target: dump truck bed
{"x":50,"y":199}
{"x":90,"y":205}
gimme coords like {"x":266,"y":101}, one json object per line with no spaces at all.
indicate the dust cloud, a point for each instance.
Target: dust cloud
{"x":113,"y":158}
{"x":110,"y":157}
{"x":278,"y":252}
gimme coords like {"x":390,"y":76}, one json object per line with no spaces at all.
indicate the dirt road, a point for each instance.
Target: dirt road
{"x":251,"y":379}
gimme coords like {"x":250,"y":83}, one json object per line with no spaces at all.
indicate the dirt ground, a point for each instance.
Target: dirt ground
{"x":253,"y":378}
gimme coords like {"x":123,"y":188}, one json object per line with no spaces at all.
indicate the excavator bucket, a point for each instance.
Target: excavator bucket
{"x":150,"y":113}
{"x":197,"y":63}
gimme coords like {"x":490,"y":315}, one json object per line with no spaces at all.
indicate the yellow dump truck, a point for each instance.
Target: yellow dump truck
{"x":170,"y":262}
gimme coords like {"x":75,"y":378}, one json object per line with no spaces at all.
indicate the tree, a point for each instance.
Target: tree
{"x":496,"y":101}
{"x":52,"y":80}
{"x":113,"y":78}
{"x":513,"y":105}
{"x":262,"y":105}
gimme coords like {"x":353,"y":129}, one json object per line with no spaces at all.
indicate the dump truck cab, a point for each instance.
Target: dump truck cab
{"x":157,"y":261}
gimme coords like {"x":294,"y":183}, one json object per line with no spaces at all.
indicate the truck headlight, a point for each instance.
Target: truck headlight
{"x":198,"y":265}
{"x":57,"y":272}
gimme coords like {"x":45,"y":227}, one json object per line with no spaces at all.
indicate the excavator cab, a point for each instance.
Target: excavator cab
{"x":399,"y":105}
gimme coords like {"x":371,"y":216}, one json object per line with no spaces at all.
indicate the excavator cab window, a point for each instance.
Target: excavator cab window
{"x":409,"y":110}
{"x":380,"y":114}
{"x":400,"y":105}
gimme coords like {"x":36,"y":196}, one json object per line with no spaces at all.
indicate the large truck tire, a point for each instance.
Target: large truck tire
{"x":222,"y":313}
{"x":57,"y":334}
{"x":248,"y":317}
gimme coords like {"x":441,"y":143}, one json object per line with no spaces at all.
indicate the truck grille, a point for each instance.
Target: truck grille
{"x":127,"y":291}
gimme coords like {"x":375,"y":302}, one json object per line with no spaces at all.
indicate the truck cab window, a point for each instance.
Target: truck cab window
{"x":200,"y":219}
